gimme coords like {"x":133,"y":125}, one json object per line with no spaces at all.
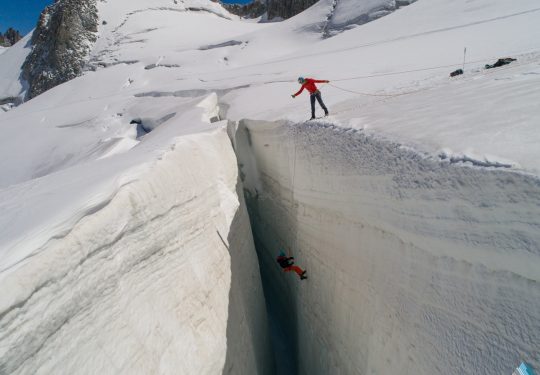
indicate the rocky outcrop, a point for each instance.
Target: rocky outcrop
{"x":251,"y":10}
{"x":347,"y":14}
{"x":287,"y":8}
{"x":10,"y":37}
{"x":61,"y":43}
{"x":343,"y":14}
{"x":275,"y":9}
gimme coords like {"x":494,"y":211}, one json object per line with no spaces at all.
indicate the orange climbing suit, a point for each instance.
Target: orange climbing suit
{"x":296,"y":269}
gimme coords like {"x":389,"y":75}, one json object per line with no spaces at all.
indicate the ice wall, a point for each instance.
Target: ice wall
{"x":249,"y":349}
{"x":145,"y":284}
{"x":416,"y":265}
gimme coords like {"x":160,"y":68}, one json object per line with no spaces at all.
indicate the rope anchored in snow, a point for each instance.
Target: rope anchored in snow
{"x":380,"y":95}
{"x":428,"y":68}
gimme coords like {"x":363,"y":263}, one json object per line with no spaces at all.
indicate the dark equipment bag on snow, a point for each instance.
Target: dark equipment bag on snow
{"x":501,"y":62}
{"x":456,"y":73}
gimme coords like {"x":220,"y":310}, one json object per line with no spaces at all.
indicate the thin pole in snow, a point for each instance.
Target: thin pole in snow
{"x":464,"y":57}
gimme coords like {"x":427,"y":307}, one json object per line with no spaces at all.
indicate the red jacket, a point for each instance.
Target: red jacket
{"x":309,"y":84}
{"x":285,"y":262}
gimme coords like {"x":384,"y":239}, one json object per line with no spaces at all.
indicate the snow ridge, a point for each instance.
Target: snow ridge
{"x":116,"y":292}
{"x":346,"y":14}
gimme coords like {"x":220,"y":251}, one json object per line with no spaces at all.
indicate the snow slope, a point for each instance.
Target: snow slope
{"x":111,"y":260}
{"x":110,"y":285}
{"x":114,"y":187}
{"x":422,"y":35}
{"x":12,"y":86}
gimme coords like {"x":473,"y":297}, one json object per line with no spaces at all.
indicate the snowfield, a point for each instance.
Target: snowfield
{"x":12,"y":86}
{"x":125,"y":241}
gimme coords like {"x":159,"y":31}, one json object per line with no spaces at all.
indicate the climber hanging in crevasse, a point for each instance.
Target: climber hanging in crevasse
{"x":287,"y":263}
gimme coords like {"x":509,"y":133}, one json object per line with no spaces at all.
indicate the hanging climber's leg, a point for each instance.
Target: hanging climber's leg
{"x":319,"y":99}
{"x":300,"y":272}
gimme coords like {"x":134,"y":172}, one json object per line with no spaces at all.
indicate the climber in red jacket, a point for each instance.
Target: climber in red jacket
{"x":287,"y":263}
{"x":309,"y":84}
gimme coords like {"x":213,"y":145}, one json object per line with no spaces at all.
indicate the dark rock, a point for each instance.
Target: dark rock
{"x":61,"y":44}
{"x":500,"y":62}
{"x":11,"y":37}
{"x":251,"y":10}
{"x":456,"y":73}
{"x":287,"y":8}
{"x":275,"y":9}
{"x":376,"y":10}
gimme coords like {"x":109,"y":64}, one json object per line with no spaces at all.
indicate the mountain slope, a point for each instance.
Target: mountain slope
{"x":12,"y":85}
{"x":61,"y":42}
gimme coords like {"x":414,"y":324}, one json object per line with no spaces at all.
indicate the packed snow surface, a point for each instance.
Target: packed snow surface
{"x":123,"y":231}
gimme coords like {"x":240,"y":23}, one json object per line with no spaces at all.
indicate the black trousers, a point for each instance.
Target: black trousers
{"x":312,"y":97}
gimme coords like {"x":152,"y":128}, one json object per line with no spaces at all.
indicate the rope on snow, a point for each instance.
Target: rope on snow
{"x":383,"y":95}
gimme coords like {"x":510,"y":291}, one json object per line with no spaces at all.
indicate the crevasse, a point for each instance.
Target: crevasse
{"x":416,"y":265}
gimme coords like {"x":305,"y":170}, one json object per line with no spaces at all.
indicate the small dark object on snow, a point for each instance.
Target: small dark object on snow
{"x":501,"y":62}
{"x":456,"y":73}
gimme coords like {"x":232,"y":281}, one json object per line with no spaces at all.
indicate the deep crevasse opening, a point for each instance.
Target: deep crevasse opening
{"x":415,"y":265}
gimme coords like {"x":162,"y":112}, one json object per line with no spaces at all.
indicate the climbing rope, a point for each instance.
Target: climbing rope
{"x":510,"y":66}
{"x":430,"y":67}
{"x":403,"y":72}
{"x":295,"y":243}
{"x":355,"y":92}
{"x":383,"y":95}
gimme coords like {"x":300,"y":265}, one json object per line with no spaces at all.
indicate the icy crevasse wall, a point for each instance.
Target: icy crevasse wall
{"x":144,"y":284}
{"x":415,"y":266}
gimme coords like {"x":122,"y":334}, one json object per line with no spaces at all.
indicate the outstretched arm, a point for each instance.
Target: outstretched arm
{"x":300,"y":91}
{"x":321,"y":81}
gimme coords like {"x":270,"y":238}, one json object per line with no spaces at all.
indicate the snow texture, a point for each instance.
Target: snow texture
{"x":415,"y":265}
{"x":125,"y":245}
{"x":347,"y":14}
{"x":12,"y":86}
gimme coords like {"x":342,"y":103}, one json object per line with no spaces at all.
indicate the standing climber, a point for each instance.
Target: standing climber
{"x":309,"y":84}
{"x":287,"y":263}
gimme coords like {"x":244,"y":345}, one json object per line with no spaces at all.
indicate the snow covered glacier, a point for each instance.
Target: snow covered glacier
{"x":142,"y":282}
{"x":125,"y":240}
{"x":126,"y":250}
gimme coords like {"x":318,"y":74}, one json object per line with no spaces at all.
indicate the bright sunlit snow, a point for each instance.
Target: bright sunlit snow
{"x":116,"y":186}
